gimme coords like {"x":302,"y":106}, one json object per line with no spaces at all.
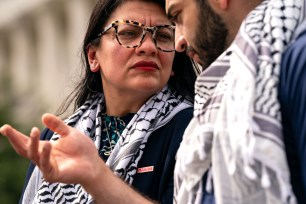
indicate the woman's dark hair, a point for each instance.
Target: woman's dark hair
{"x":91,"y":84}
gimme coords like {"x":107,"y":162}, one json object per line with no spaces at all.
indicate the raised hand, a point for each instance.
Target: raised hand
{"x":71,"y":159}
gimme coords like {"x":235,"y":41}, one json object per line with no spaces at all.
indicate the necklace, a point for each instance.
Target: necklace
{"x":108,"y":152}
{"x":113,"y":129}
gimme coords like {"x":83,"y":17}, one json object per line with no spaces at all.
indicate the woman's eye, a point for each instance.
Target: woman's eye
{"x":127,"y":33}
{"x":163,"y":36}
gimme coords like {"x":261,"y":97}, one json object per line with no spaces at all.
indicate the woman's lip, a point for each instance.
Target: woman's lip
{"x":146,"y":65}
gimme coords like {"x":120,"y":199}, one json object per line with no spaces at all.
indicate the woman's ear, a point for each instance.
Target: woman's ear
{"x":92,"y":59}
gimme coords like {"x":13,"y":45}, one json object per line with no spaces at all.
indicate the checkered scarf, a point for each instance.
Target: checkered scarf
{"x":155,"y":113}
{"x":236,"y":133}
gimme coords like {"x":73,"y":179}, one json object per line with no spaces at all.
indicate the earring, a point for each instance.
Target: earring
{"x":93,"y":65}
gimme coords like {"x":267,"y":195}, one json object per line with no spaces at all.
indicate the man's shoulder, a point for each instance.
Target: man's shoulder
{"x":294,"y":58}
{"x":297,"y":49}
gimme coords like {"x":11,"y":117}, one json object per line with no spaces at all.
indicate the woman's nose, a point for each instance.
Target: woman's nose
{"x":147,"y":45}
{"x":180,"y":44}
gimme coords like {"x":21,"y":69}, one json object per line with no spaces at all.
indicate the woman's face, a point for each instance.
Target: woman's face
{"x":143,"y":70}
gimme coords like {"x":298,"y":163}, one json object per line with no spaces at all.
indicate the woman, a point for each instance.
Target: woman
{"x":131,"y":102}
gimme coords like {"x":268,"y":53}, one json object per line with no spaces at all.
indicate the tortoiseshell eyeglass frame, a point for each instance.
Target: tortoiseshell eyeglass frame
{"x":146,"y":29}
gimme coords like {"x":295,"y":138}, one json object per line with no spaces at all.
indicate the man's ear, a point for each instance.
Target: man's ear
{"x":92,"y":59}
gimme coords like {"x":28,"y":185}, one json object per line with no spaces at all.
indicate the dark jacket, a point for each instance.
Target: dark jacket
{"x":292,"y":97}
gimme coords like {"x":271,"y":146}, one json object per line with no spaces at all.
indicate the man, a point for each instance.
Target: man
{"x":236,"y":133}
{"x":233,"y":148}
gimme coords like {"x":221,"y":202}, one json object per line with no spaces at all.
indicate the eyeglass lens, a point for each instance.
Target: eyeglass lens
{"x":131,"y":35}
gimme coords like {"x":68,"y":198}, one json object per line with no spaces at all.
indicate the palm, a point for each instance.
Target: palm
{"x":71,"y":155}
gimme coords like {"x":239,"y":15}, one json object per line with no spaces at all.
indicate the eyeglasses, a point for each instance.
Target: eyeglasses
{"x":131,"y":34}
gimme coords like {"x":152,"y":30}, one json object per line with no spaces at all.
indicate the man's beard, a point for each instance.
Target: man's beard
{"x":211,"y":35}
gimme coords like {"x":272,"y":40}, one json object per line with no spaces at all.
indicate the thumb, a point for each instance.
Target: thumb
{"x":55,"y":124}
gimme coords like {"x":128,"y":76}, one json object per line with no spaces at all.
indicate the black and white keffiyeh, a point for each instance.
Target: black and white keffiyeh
{"x":155,"y":113}
{"x":236,"y":133}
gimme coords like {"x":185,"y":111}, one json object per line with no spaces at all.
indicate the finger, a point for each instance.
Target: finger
{"x":45,"y":163}
{"x":18,"y":140}
{"x":55,"y":124}
{"x":33,"y":147}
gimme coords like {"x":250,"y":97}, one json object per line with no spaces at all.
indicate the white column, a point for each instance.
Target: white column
{"x":77,"y":13}
{"x":21,"y":56}
{"x":51,"y":56}
{"x":23,"y":77}
{"x":4,"y":66}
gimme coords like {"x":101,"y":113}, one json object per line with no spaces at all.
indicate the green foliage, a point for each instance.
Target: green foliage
{"x":12,"y":166}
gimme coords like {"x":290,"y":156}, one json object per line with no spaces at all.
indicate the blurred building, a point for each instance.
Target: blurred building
{"x":40,"y":43}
